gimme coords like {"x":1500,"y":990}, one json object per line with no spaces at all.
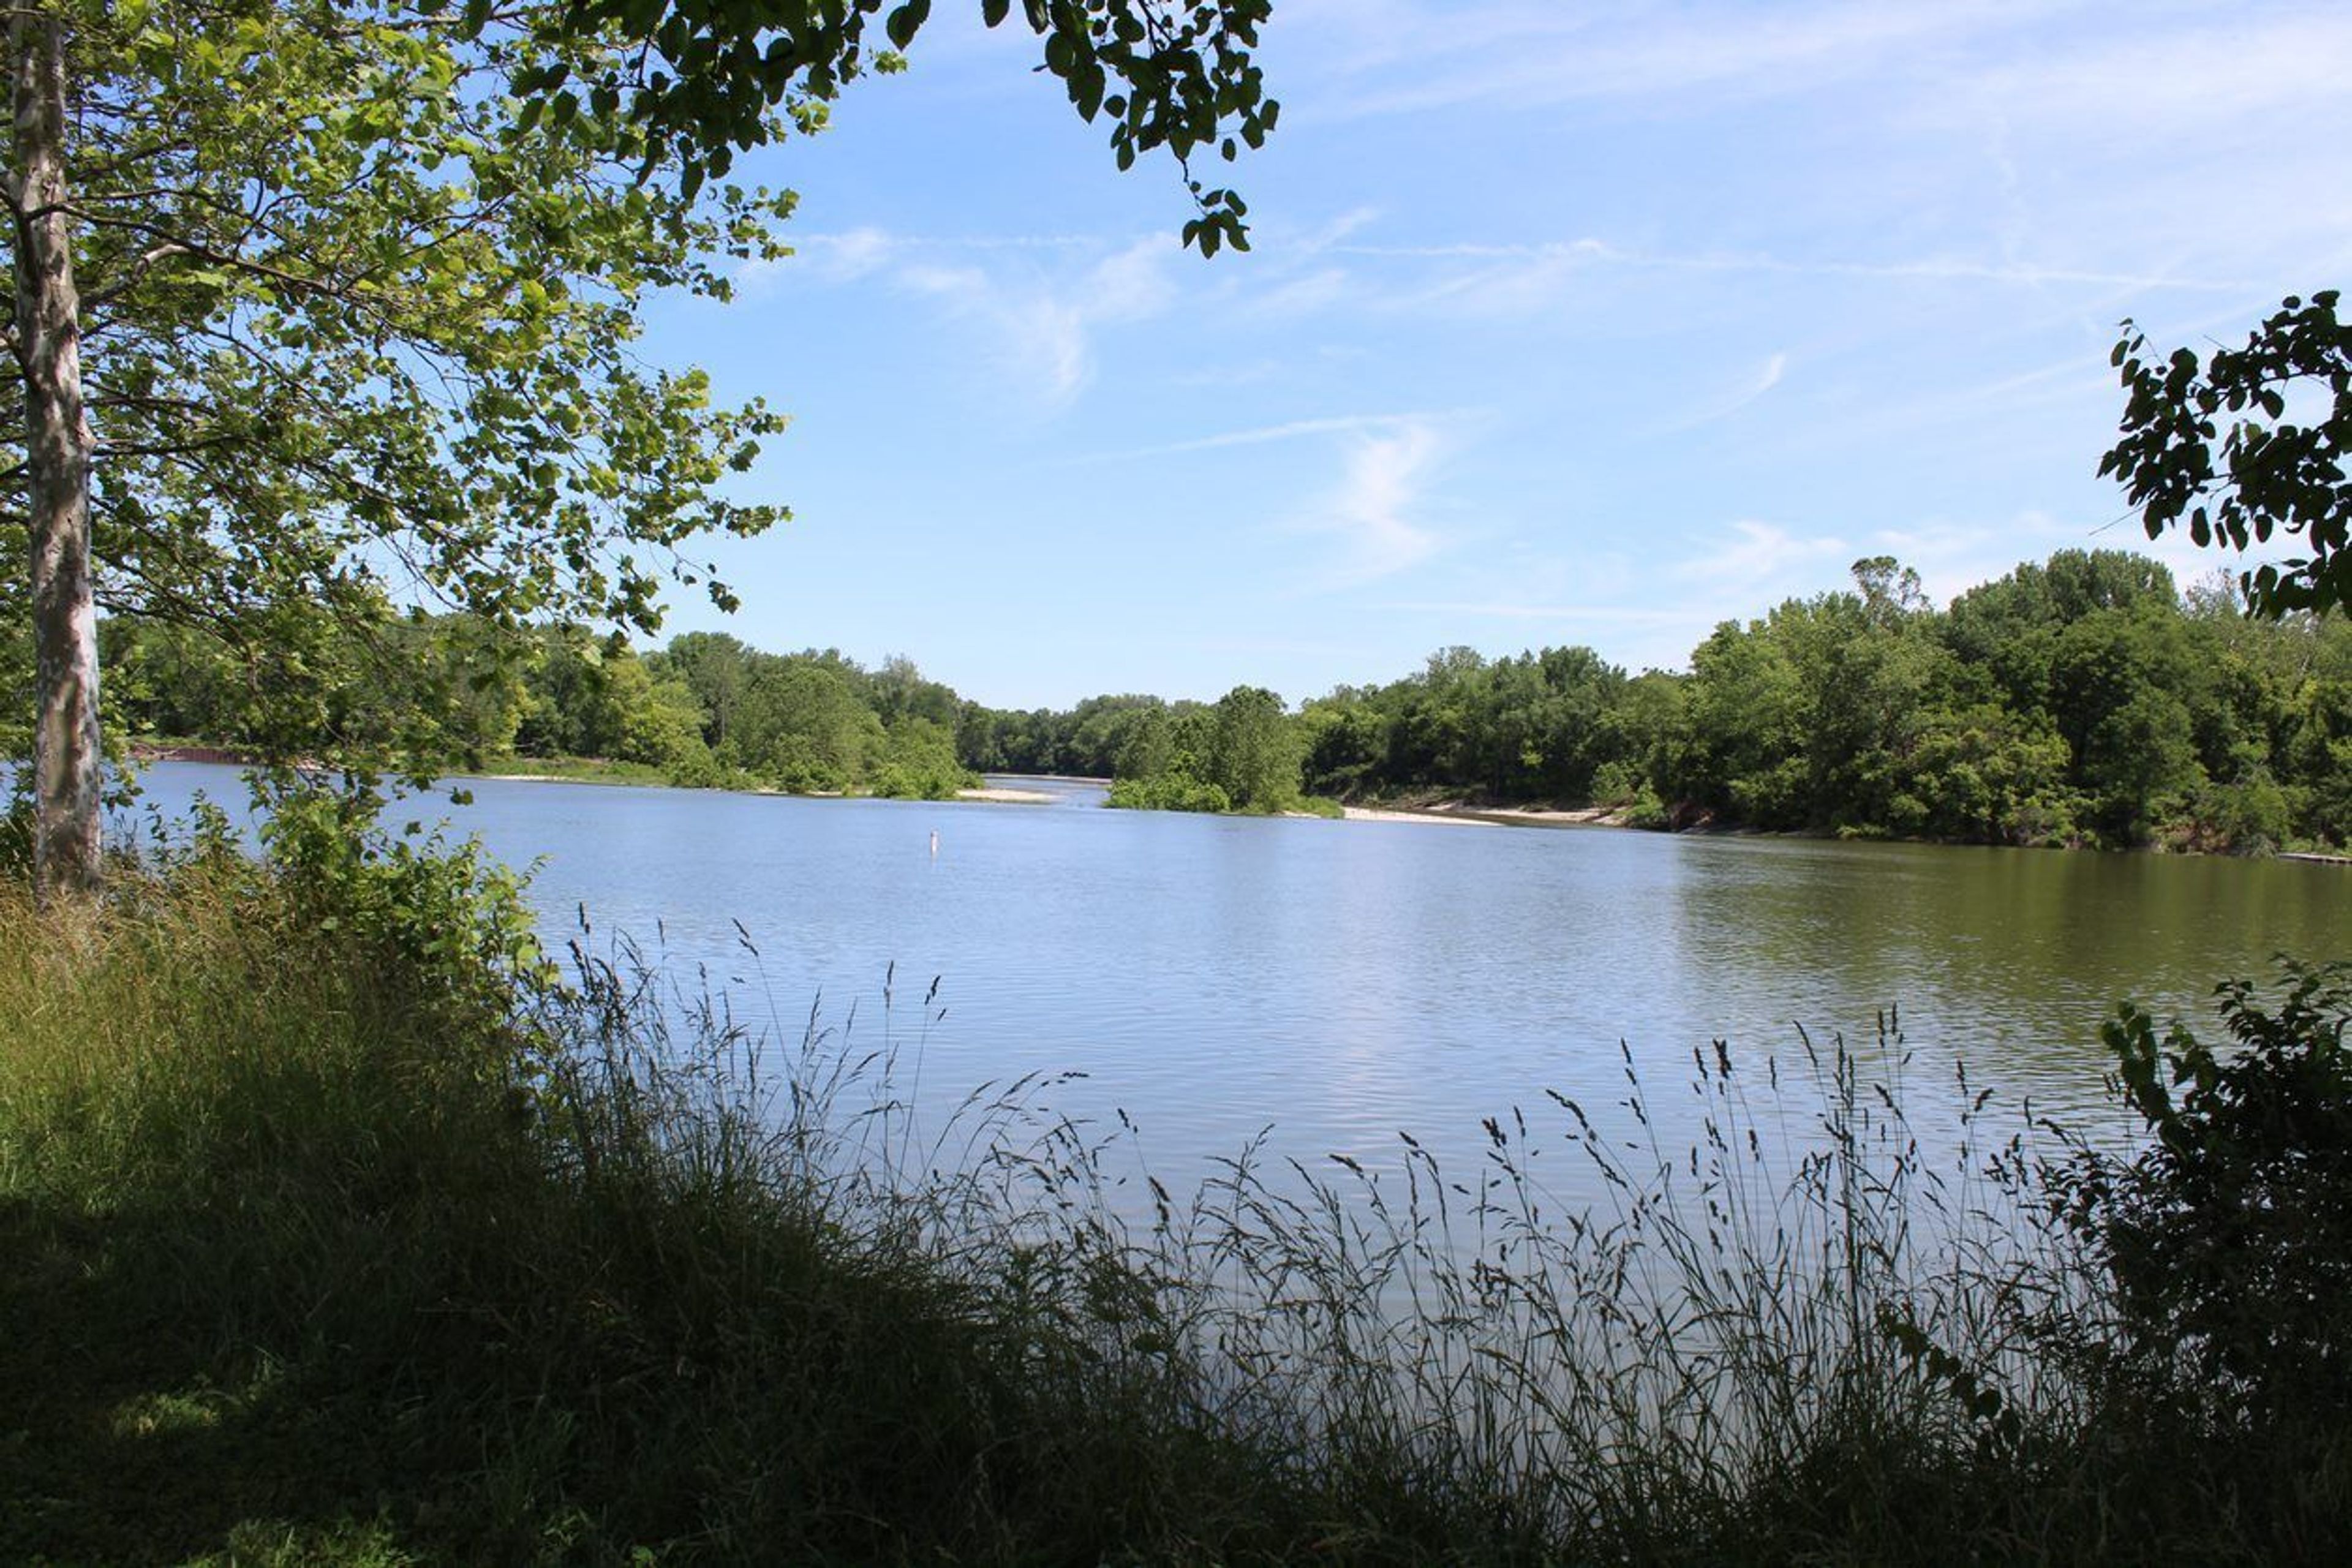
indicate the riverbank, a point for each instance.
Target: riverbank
{"x":1398,"y":813}
{"x":1466,"y":815}
{"x":1456,"y":810}
{"x":319,"y":1252}
{"x":603,"y":771}
{"x":355,"y":1250}
{"x":1470,"y":811}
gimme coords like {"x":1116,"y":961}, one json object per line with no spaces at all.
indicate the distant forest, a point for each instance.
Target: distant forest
{"x":2083,"y":700}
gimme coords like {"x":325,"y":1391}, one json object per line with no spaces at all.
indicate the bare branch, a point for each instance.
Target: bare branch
{"x":146,"y":263}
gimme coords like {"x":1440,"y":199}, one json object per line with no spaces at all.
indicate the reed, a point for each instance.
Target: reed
{"x":314,"y":1258}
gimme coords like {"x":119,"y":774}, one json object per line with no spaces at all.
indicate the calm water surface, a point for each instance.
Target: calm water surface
{"x":1342,"y":981}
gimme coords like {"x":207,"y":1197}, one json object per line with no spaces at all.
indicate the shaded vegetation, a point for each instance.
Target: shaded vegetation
{"x":335,"y":1231}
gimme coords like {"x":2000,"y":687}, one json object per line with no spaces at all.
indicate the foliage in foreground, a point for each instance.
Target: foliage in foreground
{"x":2253,"y":442}
{"x":310,"y":1254}
{"x":2230,"y":1238}
{"x":332,"y":1233}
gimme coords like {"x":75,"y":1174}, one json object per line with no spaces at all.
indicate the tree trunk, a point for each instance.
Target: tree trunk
{"x":57,"y":444}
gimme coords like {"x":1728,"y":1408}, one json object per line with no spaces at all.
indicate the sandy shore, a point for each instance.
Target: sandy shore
{"x":1485,"y":816}
{"x":1585,"y":817}
{"x":1382,"y":814}
{"x":1009,"y":797}
{"x":542,"y":778}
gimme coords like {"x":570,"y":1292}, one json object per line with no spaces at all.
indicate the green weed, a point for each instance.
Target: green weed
{"x":332,"y":1230}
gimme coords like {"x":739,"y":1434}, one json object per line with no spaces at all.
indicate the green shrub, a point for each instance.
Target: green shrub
{"x":443,"y":917}
{"x":1169,"y":791}
{"x":1618,"y":784}
{"x":2248,"y":817}
{"x":1646,"y":810}
{"x":2230,"y":1237}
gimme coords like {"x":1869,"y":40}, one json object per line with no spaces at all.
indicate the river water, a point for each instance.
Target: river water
{"x":1339,"y":981}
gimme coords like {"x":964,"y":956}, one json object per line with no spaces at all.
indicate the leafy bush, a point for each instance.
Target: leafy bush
{"x":446,"y":919}
{"x":2250,"y":815}
{"x":1617,"y":782}
{"x":1169,"y":791}
{"x":2230,"y":1237}
{"x":1646,"y":810}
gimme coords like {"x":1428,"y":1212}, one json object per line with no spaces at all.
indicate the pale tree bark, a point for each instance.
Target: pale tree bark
{"x":58,"y":446}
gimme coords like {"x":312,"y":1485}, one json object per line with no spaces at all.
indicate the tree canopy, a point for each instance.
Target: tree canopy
{"x":2249,"y":443}
{"x":703,"y":75}
{"x":328,"y":315}
{"x":350,"y":338}
{"x":2079,"y":700}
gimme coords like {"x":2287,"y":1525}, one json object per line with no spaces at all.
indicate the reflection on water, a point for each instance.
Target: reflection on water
{"x":1342,"y":980}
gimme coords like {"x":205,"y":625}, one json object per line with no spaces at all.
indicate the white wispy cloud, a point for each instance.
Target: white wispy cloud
{"x":2257,"y":68}
{"x":1520,"y":265}
{"x":1304,"y":293}
{"x":2206,"y":138}
{"x":1040,"y":326}
{"x":1401,"y":58}
{"x":1338,"y":228}
{"x":1365,"y":425}
{"x":1764,"y":552}
{"x":1724,"y":404}
{"x":1247,"y":373}
{"x":1953,"y":555}
{"x":848,"y":256}
{"x":1512,"y":610}
{"x":834,"y":257}
{"x":1033,"y":301}
{"x":1534,"y":281}
{"x":2072,"y":401}
{"x":918,"y":244}
{"x":1373,"y":511}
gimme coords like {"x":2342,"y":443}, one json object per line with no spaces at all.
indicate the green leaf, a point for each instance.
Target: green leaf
{"x":907,"y":20}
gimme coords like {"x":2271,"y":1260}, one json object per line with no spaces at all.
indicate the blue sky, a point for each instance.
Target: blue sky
{"x":1564,"y":323}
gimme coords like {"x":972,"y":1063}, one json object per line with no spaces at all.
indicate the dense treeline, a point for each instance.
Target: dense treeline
{"x":2084,"y":700}
{"x":707,"y":709}
{"x":1084,"y":741}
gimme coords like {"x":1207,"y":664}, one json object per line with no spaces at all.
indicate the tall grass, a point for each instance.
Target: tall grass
{"x":312,"y":1257}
